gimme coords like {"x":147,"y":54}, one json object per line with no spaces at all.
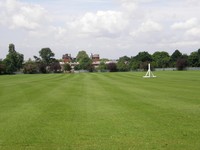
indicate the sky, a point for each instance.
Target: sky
{"x":111,"y":28}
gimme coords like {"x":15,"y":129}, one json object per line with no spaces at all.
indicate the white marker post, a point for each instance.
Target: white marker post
{"x":149,"y":73}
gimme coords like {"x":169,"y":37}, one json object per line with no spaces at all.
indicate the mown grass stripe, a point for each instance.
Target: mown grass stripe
{"x":100,"y":111}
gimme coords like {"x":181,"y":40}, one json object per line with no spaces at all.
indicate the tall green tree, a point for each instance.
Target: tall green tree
{"x":102,"y":66}
{"x":161,"y":59}
{"x":194,"y":59}
{"x":143,"y":57}
{"x":134,"y":64}
{"x":11,"y":48}
{"x":45,"y":60}
{"x":81,"y":55}
{"x":174,"y":57}
{"x":40,"y":65}
{"x":84,"y":61}
{"x":13,"y":61}
{"x":123,"y":63}
{"x":46,"y":55}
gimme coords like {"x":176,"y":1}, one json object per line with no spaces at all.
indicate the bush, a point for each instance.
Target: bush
{"x":181,"y":64}
{"x":67,"y":67}
{"x":112,"y":67}
{"x":30,"y":67}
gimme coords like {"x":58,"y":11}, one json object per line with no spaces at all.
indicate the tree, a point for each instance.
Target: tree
{"x":181,"y":64}
{"x":2,"y":67}
{"x":30,"y":67}
{"x":47,"y":55}
{"x":91,"y":68}
{"x":134,"y":63}
{"x":112,"y":67}
{"x":11,"y":48}
{"x":13,"y":60}
{"x":143,"y":57}
{"x":161,"y":59}
{"x":81,"y":55}
{"x":174,"y":57}
{"x":67,"y":67}
{"x":84,"y":61}
{"x":9,"y":65}
{"x":144,"y":65}
{"x":19,"y":60}
{"x":194,"y":59}
{"x":123,"y":63}
{"x":55,"y":66}
{"x":102,"y":66}
{"x":40,"y":65}
{"x":46,"y":62}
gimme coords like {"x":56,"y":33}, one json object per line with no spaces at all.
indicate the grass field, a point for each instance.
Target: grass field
{"x":100,"y":111}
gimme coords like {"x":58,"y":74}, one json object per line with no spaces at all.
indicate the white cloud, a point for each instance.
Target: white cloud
{"x":190,"y":28}
{"x":194,"y":32}
{"x":146,"y":28}
{"x":193,"y":3}
{"x":22,"y":15}
{"x":193,"y":22}
{"x":21,"y":21}
{"x":150,"y":26}
{"x":10,"y":5}
{"x":129,"y":5}
{"x":102,"y":23}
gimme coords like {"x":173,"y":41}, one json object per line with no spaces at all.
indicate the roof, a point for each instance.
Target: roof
{"x":95,"y":55}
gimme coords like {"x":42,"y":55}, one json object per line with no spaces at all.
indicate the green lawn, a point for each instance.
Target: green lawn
{"x":100,"y":111}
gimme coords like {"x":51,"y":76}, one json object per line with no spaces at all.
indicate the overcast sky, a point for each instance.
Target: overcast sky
{"x":111,"y":28}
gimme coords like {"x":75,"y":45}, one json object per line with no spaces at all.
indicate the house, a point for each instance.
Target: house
{"x":67,"y":58}
{"x":95,"y":57}
{"x":95,"y":60}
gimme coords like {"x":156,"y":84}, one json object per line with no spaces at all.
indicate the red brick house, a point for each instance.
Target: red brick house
{"x":67,"y":58}
{"x":95,"y":57}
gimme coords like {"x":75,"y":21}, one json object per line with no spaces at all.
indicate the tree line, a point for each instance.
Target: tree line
{"x":159,"y":59}
{"x":46,"y":63}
